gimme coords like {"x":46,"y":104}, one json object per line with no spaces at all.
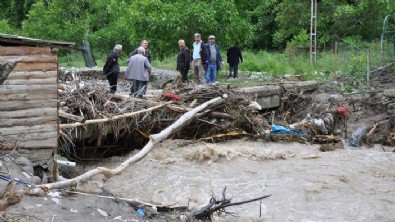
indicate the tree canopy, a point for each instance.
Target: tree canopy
{"x":255,"y":24}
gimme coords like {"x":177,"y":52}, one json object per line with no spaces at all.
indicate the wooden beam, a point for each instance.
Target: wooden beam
{"x":33,"y":89}
{"x":27,"y":121}
{"x":34,"y":58}
{"x":35,"y":112}
{"x":26,"y":97}
{"x":25,"y":50}
{"x":32,"y":75}
{"x":47,"y":81}
{"x":50,"y":66}
{"x":21,"y":130}
{"x":33,"y":136}
{"x":71,"y":116}
{"x":37,"y":156}
{"x":18,"y":105}
{"x":39,"y":144}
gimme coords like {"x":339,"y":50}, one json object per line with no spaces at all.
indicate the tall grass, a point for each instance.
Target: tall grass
{"x":350,"y":61}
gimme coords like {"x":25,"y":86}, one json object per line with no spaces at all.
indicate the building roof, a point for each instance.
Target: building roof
{"x":20,"y":40}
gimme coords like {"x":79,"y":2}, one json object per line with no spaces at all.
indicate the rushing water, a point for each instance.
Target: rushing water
{"x":305,"y":184}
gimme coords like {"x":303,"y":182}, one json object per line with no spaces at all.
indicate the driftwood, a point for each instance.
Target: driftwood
{"x":206,"y":212}
{"x":154,"y":139}
{"x":370,"y":133}
{"x":93,"y":121}
{"x":148,"y":207}
{"x":71,"y":116}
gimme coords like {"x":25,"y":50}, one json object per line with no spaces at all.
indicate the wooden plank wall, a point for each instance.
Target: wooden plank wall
{"x":28,"y":101}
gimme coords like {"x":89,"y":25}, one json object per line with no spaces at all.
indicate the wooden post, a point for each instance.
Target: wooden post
{"x":368,"y":69}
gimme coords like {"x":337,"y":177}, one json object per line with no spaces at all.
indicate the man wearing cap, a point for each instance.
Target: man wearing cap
{"x":199,"y":58}
{"x":111,"y":68}
{"x":138,"y":71}
{"x":215,"y":60}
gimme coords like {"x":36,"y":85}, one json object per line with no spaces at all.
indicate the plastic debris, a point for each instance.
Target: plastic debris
{"x":102,"y":212}
{"x":357,"y":136}
{"x":343,"y":110}
{"x":172,"y":96}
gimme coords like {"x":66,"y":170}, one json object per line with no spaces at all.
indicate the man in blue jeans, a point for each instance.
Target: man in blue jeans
{"x":215,"y":61}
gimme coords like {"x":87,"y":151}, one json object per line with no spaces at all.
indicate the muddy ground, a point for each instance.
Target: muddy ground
{"x":350,"y":184}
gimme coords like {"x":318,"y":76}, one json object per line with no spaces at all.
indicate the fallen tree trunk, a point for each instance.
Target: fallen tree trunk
{"x":154,"y":139}
{"x":93,"y":121}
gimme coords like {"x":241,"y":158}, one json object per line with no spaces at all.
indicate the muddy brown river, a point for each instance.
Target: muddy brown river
{"x":306,"y":184}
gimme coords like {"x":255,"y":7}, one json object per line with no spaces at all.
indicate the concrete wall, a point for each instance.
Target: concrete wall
{"x":269,"y":96}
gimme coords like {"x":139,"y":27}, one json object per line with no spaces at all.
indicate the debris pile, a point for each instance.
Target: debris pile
{"x":96,"y":124}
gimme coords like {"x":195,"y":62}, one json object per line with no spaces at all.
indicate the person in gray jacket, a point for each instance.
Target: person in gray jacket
{"x":138,"y":71}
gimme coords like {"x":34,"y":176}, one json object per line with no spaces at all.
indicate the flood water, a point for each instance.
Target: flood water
{"x":305,"y":184}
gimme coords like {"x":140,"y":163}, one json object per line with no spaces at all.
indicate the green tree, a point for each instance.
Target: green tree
{"x":60,"y":20}
{"x":164,"y":22}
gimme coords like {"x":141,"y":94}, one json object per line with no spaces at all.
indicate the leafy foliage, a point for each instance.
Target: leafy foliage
{"x":256,"y":24}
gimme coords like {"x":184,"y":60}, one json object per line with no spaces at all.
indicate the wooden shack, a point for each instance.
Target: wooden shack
{"x":28,"y":97}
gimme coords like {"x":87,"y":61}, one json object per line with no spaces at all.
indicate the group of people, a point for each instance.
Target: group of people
{"x":138,"y":70}
{"x":205,"y":59}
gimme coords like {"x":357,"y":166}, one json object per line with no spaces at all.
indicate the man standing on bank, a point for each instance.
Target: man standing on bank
{"x":199,"y":58}
{"x":183,"y":60}
{"x":147,"y":54}
{"x":234,"y":57}
{"x":138,"y":71}
{"x":215,"y":60}
{"x":111,"y":68}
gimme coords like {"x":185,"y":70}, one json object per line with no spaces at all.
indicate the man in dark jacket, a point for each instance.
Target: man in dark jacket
{"x":111,"y":68}
{"x":199,"y":58}
{"x":214,"y":60}
{"x":234,"y":57}
{"x":147,"y":54}
{"x":183,"y":60}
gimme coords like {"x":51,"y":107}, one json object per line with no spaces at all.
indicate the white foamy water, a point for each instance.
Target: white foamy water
{"x":305,"y":184}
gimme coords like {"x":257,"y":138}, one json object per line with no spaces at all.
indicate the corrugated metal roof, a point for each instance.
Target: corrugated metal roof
{"x":7,"y":38}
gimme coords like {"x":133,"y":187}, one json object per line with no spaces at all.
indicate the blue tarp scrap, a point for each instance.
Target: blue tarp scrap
{"x":277,"y":129}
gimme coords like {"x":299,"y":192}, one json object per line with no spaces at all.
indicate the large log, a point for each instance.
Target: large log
{"x":33,"y":89}
{"x":46,"y":81}
{"x":39,"y":144}
{"x":33,"y":135}
{"x":52,"y":111}
{"x":34,"y":58}
{"x":25,"y":97}
{"x":32,"y":75}
{"x":27,"y":121}
{"x":21,"y":130}
{"x":25,"y":50}
{"x":18,"y":105}
{"x":154,"y":139}
{"x":50,"y":66}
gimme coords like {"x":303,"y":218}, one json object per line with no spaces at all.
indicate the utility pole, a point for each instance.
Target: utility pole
{"x":313,"y":32}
